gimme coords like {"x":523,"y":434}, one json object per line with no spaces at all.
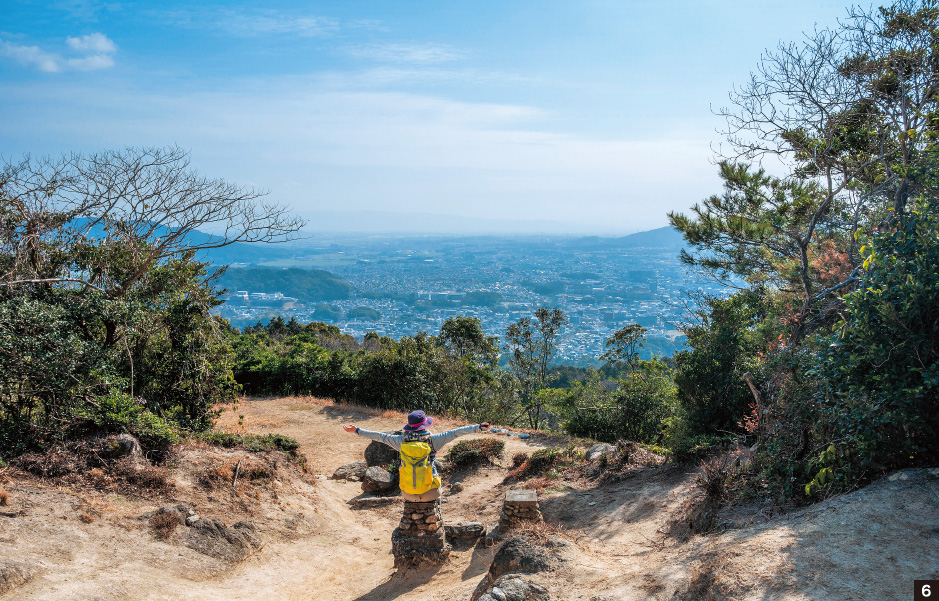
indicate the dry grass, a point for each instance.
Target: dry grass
{"x":164,"y":524}
{"x":86,"y":517}
{"x":541,"y":532}
{"x":4,"y":497}
{"x":233,"y":470}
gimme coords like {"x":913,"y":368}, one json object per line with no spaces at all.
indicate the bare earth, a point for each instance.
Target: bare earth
{"x":870,"y":544}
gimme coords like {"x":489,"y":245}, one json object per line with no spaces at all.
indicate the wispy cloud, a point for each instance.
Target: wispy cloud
{"x":370,"y":150}
{"x":94,"y":51}
{"x":252,"y":22}
{"x":426,"y":54}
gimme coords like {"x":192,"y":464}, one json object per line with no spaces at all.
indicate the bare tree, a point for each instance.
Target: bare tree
{"x":849,"y":114}
{"x":101,"y":221}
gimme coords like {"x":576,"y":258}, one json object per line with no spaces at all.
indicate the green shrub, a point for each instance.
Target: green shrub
{"x":254,"y":443}
{"x":116,"y":413}
{"x":468,"y":453}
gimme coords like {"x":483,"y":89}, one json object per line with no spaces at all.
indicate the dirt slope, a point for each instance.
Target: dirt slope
{"x":867,"y":545}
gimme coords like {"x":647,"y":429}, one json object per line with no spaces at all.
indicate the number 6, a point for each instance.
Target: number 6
{"x":926,"y":591}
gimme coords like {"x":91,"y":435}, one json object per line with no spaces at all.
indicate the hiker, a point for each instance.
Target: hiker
{"x":418,"y":476}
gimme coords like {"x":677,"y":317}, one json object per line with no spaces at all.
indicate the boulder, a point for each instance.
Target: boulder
{"x":377,"y":480}
{"x":601,"y":448}
{"x":356,"y":469}
{"x":379,"y":454}
{"x":14,"y":574}
{"x":520,"y":554}
{"x":464,"y":530}
{"x":123,"y":445}
{"x":215,"y":539}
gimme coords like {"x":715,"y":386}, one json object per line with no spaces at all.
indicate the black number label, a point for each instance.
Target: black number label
{"x":925,"y":590}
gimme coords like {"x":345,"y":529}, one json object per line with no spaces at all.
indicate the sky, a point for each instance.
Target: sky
{"x":586,"y":116}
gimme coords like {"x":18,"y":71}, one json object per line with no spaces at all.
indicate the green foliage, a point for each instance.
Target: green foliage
{"x":530,"y":344}
{"x":326,"y":312}
{"x":880,"y":372}
{"x":451,"y":373}
{"x":254,"y":443}
{"x":724,"y":345}
{"x":635,"y":410}
{"x":363,"y":314}
{"x":116,"y":413}
{"x":467,"y":453}
{"x":108,"y":304}
{"x":307,"y":285}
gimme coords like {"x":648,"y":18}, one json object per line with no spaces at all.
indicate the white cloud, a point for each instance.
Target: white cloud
{"x":94,"y":43}
{"x":31,"y":56}
{"x":95,"y":52}
{"x":407,"y":53}
{"x":251,"y":23}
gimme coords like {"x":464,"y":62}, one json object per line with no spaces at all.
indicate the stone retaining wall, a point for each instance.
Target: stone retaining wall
{"x":520,"y":506}
{"x":418,"y":541}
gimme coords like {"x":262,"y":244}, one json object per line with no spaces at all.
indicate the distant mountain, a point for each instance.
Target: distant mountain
{"x":663,"y":238}
{"x":307,"y":285}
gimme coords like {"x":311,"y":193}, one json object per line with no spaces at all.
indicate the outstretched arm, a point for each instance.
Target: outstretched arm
{"x":392,"y":440}
{"x":439,"y":440}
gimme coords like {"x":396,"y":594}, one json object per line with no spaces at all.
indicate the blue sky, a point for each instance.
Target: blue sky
{"x":593,"y":116}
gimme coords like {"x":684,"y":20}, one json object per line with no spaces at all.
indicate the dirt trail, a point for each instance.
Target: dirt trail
{"x":867,"y":545}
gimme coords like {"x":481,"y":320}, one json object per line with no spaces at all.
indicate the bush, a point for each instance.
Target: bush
{"x":253,"y":443}
{"x":878,"y":404}
{"x":539,"y":463}
{"x":164,"y":524}
{"x":117,"y":413}
{"x":636,"y":410}
{"x":468,"y":453}
{"x":723,"y":346}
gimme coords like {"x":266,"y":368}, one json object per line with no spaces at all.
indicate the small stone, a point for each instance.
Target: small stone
{"x":431,"y":519}
{"x":192,"y":519}
{"x":455,"y":488}
{"x":601,"y":448}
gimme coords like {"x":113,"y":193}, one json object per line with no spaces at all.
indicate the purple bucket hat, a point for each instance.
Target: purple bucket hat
{"x":418,"y":420}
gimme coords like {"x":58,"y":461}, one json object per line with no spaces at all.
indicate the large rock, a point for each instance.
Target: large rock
{"x":214,"y":538}
{"x":380,"y":454}
{"x":14,"y":574}
{"x":464,"y":531}
{"x":377,"y":480}
{"x":521,"y":554}
{"x":356,"y":469}
{"x":601,"y":448}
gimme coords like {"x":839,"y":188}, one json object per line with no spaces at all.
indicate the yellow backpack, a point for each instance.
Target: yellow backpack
{"x":416,"y":474}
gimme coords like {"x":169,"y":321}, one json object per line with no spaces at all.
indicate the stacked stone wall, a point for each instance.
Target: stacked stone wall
{"x":418,"y":541}
{"x":520,"y":506}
